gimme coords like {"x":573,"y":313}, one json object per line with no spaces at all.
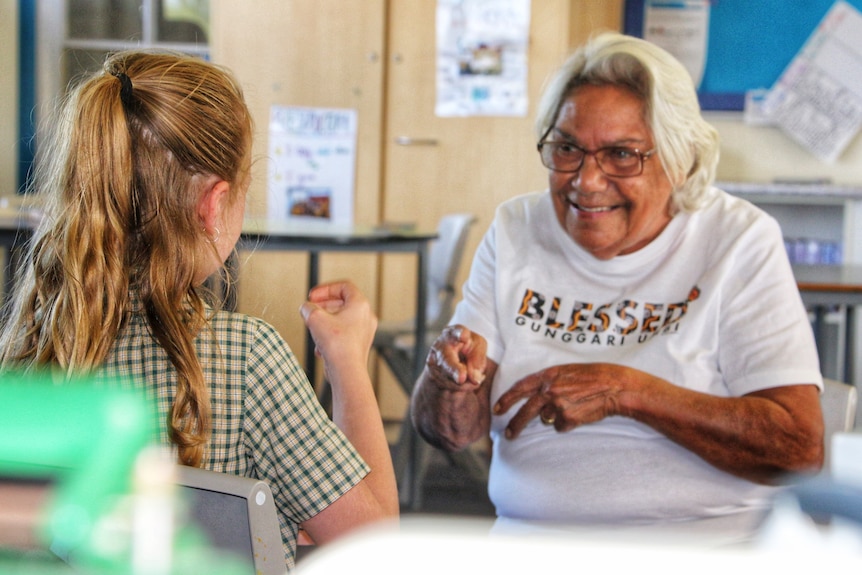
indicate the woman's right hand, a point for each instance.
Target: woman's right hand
{"x":342,"y":324}
{"x":450,"y":403}
{"x":457,"y":358}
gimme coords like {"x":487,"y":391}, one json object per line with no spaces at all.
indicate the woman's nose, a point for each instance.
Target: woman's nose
{"x":590,"y":177}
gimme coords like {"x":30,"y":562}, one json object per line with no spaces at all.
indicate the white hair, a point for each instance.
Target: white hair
{"x":687,"y":145}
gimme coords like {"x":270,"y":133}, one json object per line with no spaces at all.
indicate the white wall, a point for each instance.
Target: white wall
{"x":764,"y":154}
{"x":8,"y":95}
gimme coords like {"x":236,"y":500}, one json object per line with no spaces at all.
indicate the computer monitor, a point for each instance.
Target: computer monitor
{"x":86,"y":488}
{"x":237,"y":514}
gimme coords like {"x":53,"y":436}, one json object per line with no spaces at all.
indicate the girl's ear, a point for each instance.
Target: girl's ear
{"x":212,"y":204}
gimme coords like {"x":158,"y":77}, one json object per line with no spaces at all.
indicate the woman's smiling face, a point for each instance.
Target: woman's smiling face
{"x":608,"y":216}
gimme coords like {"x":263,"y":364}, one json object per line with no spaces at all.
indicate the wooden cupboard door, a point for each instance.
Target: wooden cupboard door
{"x":316,"y":53}
{"x":438,"y":165}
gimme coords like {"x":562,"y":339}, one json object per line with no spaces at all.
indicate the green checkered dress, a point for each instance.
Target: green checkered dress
{"x":266,"y":420}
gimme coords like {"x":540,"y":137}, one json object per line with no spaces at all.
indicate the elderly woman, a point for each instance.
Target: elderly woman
{"x":632,"y":338}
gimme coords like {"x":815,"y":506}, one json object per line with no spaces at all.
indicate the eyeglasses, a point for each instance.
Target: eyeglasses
{"x":614,"y":161}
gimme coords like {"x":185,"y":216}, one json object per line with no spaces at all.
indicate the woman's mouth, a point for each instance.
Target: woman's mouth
{"x":590,"y":210}
{"x":594,"y":209}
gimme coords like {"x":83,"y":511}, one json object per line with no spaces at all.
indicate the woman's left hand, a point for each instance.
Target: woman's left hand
{"x":567,"y":396}
{"x":760,"y":436}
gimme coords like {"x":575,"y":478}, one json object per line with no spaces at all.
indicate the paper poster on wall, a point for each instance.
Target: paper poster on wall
{"x":311,"y":164}
{"x":482,"y":57}
{"x":818,"y":99}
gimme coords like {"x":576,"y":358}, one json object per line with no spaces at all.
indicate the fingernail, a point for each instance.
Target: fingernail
{"x":509,"y":433}
{"x":497,"y":409}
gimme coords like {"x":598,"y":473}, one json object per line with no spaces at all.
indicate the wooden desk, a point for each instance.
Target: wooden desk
{"x":16,"y":226}
{"x":827,"y":285}
{"x":316,"y":238}
{"x":822,"y":287}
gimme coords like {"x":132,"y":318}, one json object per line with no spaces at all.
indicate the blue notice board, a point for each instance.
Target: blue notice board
{"x":751,"y":42}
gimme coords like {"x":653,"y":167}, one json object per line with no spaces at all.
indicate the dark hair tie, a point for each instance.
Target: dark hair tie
{"x":125,"y":88}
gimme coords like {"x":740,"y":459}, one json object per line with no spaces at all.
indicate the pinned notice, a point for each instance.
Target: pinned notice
{"x":482,"y":57}
{"x":817,"y":101}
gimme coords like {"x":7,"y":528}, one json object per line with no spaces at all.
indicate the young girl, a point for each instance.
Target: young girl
{"x":144,"y":180}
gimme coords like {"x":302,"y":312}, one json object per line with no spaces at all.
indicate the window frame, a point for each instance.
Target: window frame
{"x":42,"y":75}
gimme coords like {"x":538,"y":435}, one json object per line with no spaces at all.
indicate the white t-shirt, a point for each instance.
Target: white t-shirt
{"x":710,"y":305}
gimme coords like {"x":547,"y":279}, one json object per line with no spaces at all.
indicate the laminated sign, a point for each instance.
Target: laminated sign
{"x":312,"y":154}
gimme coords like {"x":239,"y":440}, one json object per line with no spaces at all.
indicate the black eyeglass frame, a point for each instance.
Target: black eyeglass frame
{"x":642,"y":156}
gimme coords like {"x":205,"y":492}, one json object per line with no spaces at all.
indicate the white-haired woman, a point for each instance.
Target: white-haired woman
{"x":632,"y":339}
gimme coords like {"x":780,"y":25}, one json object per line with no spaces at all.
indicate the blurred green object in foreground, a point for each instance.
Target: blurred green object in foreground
{"x":80,"y":443}
{"x":85,"y":489}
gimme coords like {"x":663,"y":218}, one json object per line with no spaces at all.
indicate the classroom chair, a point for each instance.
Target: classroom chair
{"x":394,"y":342}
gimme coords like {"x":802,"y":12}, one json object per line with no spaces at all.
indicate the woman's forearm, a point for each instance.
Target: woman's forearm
{"x":450,"y":416}
{"x":761,"y":436}
{"x":356,"y":412}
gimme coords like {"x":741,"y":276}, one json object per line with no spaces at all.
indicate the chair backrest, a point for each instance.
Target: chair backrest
{"x":838,"y":402}
{"x":237,"y":514}
{"x":444,"y":261}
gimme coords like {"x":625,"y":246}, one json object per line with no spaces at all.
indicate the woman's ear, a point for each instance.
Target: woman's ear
{"x":212,"y":204}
